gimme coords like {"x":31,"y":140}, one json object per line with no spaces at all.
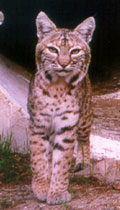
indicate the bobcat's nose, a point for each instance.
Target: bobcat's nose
{"x":64,"y":60}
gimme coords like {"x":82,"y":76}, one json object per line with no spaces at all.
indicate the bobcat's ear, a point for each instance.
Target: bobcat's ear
{"x":44,"y":25}
{"x":86,"y":29}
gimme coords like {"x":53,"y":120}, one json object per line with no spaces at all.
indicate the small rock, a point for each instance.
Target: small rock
{"x":116,"y":185}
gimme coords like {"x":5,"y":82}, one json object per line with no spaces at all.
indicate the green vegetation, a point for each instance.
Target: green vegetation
{"x":65,"y":205}
{"x":85,"y":180}
{"x":5,"y":203}
{"x":13,"y":166}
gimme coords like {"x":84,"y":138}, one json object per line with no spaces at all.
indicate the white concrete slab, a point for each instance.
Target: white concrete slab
{"x":15,"y":80}
{"x":102,"y":148}
{"x":14,"y":83}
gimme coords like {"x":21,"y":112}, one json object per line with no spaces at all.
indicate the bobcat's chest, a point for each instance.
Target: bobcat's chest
{"x":56,"y":107}
{"x":58,"y":98}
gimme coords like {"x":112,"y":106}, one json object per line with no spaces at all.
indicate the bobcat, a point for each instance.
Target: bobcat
{"x":59,"y":105}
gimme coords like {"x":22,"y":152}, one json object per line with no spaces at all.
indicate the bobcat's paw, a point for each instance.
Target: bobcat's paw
{"x":58,"y":197}
{"x":40,"y":190}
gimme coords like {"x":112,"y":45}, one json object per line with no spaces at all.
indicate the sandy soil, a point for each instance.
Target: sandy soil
{"x":88,"y":194}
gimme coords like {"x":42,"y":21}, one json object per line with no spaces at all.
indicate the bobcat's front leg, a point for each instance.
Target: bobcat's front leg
{"x":62,"y":158}
{"x":39,"y":165}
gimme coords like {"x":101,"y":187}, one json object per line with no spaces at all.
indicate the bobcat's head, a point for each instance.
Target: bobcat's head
{"x":62,"y":52}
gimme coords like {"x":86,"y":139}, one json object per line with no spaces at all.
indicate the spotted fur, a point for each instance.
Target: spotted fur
{"x":59,"y":105}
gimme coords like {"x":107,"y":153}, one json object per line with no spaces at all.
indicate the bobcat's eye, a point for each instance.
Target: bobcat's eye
{"x":53,"y":49}
{"x":75,"y":51}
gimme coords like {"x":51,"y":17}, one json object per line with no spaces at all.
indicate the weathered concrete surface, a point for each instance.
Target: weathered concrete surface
{"x":105,"y":136}
{"x":14,"y":82}
{"x":105,"y":144}
{"x":13,"y":120}
{"x":107,"y":170}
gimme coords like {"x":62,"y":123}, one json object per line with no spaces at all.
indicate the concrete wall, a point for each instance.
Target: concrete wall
{"x":14,"y":82}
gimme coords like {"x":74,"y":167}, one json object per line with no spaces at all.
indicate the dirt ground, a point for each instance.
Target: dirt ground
{"x":88,"y":194}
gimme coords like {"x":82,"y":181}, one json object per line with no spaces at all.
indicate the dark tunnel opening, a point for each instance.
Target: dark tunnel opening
{"x":18,"y":32}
